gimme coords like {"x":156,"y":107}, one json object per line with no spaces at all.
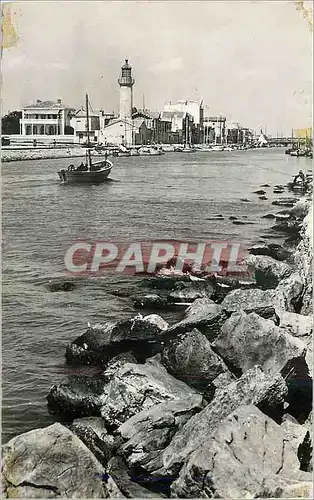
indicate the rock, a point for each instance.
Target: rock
{"x":245,"y":199}
{"x":117,"y":362}
{"x":259,"y":191}
{"x":242,"y":222}
{"x":79,"y":397}
{"x":294,"y":432}
{"x":285,"y":202}
{"x":147,"y":433}
{"x":268,"y":272}
{"x":134,"y":388}
{"x":117,"y":470}
{"x":219,"y":382}
{"x":247,"y":339}
{"x":150,"y":301}
{"x":63,"y":286}
{"x":51,"y":462}
{"x":259,"y":301}
{"x":296,"y":324}
{"x":190,"y":291}
{"x":254,"y":387}
{"x":272,"y":250}
{"x":93,"y":433}
{"x":164,"y":282}
{"x":289,"y":293}
{"x":189,"y":357}
{"x":305,"y":448}
{"x":232,"y":217}
{"x":300,"y":489}
{"x":268,"y":216}
{"x":263,"y":198}
{"x":264,"y":185}
{"x":202,"y":314}
{"x":247,"y":456}
{"x":102,"y":342}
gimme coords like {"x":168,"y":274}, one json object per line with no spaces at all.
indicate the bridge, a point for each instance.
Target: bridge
{"x":287,"y":141}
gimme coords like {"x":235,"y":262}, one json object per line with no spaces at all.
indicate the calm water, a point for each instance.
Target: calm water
{"x":168,"y":197}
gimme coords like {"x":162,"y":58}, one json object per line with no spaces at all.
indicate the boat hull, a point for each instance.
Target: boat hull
{"x":86,"y":176}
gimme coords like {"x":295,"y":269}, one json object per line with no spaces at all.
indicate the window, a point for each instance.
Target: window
{"x":28,"y":130}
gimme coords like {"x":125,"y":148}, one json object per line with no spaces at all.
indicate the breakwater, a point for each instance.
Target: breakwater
{"x":234,"y":367}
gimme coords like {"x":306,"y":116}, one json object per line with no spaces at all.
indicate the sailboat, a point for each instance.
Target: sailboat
{"x":187,"y":147}
{"x":88,"y":172}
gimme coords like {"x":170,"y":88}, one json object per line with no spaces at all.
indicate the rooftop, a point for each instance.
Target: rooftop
{"x":48,"y":104}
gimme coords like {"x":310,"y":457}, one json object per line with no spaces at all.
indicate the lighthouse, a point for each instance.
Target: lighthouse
{"x":126,"y":83}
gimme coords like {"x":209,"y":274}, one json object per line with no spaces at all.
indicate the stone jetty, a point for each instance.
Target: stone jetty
{"x":217,"y":405}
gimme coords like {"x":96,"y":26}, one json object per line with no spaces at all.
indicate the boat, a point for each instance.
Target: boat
{"x":150,"y":151}
{"x":217,"y":148}
{"x":90,"y":172}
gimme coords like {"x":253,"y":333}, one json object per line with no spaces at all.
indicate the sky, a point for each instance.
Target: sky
{"x":250,"y":61}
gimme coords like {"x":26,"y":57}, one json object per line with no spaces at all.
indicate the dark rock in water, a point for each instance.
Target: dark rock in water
{"x":92,"y":431}
{"x":202,"y":314}
{"x":189,"y":357}
{"x":263,"y":198}
{"x":151,"y":432}
{"x":79,"y":397}
{"x":151,"y":301}
{"x":245,"y":199}
{"x":283,"y":212}
{"x":218,"y":383}
{"x":214,"y":218}
{"x":259,"y":191}
{"x":264,"y":185}
{"x":218,"y":215}
{"x":227,"y":283}
{"x":254,"y":387}
{"x":136,"y":387}
{"x":63,"y":286}
{"x":268,"y":271}
{"x":117,"y":469}
{"x":273,"y":250}
{"x":269,"y":216}
{"x":160,"y":282}
{"x":190,"y":291}
{"x":278,"y":191}
{"x":247,"y":456}
{"x":242,"y":222}
{"x":232,"y":217}
{"x":102,"y":342}
{"x":285,"y":202}
{"x":247,"y":339}
{"x":51,"y":462}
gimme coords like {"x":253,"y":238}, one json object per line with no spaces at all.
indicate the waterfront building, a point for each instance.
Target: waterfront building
{"x":214,"y":129}
{"x":194,"y":109}
{"x":46,"y":118}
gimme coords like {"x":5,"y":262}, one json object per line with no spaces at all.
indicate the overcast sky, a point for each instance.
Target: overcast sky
{"x":250,"y":60}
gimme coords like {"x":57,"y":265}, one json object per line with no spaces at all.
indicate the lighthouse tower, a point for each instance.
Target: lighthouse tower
{"x":126,"y":83}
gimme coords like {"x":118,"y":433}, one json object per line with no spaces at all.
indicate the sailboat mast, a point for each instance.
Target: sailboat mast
{"x":87,"y":129}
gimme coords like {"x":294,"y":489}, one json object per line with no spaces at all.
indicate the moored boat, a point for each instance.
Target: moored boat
{"x":87,"y":172}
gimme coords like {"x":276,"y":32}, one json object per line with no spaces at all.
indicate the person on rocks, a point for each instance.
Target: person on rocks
{"x":300,"y":176}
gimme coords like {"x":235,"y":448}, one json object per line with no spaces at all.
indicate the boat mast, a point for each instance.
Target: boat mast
{"x":87,"y":128}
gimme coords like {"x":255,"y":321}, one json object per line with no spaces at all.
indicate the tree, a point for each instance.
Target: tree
{"x":11,"y":123}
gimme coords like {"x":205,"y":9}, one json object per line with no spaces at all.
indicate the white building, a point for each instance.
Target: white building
{"x":46,"y":118}
{"x":193,"y":108}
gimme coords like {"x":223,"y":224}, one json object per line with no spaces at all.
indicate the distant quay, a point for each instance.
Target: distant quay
{"x":9,"y":155}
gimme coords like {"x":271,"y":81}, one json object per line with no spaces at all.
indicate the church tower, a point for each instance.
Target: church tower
{"x":126,"y":83}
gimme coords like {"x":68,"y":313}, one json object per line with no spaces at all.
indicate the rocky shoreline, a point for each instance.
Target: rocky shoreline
{"x":10,"y":155}
{"x":217,"y":405}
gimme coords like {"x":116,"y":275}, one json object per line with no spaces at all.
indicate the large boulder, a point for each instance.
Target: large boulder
{"x":78,"y":397}
{"x":127,"y":484}
{"x":202,"y":314}
{"x":51,"y":462}
{"x":93,"y":433}
{"x":151,"y":301}
{"x":268,"y":272}
{"x":273,"y":250}
{"x":189,"y":357}
{"x":102,"y":342}
{"x":147,"y":433}
{"x":296,"y":324}
{"x":254,"y":387}
{"x":247,"y":339}
{"x":289,"y":293}
{"x":135,"y":387}
{"x":189,"y":291}
{"x":262,"y":302}
{"x":247,"y":456}
{"x":218,"y":383}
